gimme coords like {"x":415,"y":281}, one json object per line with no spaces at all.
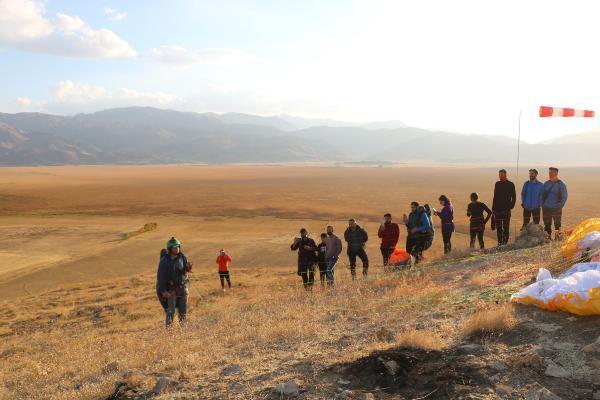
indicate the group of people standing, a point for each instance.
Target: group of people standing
{"x":538,"y":200}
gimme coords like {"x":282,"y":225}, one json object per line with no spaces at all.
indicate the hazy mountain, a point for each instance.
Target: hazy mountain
{"x":149,"y":135}
{"x":305,"y":123}
{"x":588,"y":137}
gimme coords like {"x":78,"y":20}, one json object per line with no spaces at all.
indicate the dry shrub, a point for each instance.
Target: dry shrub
{"x":420,"y":339}
{"x":491,"y":320}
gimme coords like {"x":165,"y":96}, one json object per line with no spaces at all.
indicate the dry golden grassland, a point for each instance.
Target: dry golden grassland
{"x":79,"y":310}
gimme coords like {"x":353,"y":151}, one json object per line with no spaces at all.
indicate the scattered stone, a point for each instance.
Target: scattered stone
{"x":345,"y":395}
{"x":366,"y":396}
{"x":592,"y":347}
{"x":343,"y":382}
{"x":556,"y":371}
{"x":583,"y":393}
{"x":503,"y":389}
{"x":111,"y":367}
{"x":495,"y":378}
{"x":289,"y":388}
{"x":596,"y":395}
{"x":571,"y":319}
{"x":595,"y":364}
{"x":232,"y":369}
{"x":383,"y":334}
{"x":548,"y":328}
{"x":462,"y":389}
{"x":498,"y":366}
{"x":532,"y":235}
{"x":161,"y":385}
{"x":391,"y":366}
{"x":565,"y":346}
{"x":540,"y":393}
{"x":472,"y":348}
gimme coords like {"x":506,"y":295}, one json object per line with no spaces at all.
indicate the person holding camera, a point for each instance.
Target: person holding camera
{"x":389,"y":232}
{"x":306,"y":248}
{"x":446,"y":215}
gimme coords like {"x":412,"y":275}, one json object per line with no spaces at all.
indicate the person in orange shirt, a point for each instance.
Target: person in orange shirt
{"x":223,"y":260}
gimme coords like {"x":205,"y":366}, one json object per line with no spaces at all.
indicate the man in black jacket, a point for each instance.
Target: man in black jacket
{"x":171,"y":281}
{"x":356,"y":237}
{"x":307,"y":258}
{"x":505,"y":197}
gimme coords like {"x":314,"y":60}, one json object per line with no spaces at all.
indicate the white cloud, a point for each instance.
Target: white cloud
{"x":82,"y":96}
{"x":24,"y":26}
{"x":174,"y":54}
{"x":115,"y":14}
{"x":23,"y":101}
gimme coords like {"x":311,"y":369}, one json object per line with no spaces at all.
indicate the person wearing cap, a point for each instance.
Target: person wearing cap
{"x":554,"y":198}
{"x":505,"y":197}
{"x":171,"y":281}
{"x":531,"y":198}
{"x":223,"y":261}
{"x":356,"y":237}
{"x":389,"y":232}
{"x":306,"y":248}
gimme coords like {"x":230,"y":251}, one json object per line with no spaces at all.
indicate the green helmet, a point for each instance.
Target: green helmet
{"x":173,"y":242}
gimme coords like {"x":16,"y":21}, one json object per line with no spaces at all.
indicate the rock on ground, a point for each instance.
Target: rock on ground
{"x":289,"y":388}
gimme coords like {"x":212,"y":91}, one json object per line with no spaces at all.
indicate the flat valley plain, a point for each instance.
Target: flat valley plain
{"x":63,"y":225}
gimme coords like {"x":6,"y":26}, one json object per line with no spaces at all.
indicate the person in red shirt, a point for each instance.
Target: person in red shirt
{"x":389,"y":232}
{"x":223,"y":260}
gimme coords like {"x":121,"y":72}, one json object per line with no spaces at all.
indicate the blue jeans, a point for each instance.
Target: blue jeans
{"x":331,"y":262}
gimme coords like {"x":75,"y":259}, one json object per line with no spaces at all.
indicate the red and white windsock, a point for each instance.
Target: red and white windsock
{"x":546,"y":111}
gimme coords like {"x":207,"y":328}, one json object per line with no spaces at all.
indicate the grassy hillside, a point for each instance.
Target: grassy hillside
{"x":446,"y":324}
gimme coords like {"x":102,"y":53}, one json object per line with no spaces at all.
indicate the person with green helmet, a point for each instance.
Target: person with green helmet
{"x":171,"y":281}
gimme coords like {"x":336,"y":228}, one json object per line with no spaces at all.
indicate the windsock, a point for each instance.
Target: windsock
{"x":546,"y":111}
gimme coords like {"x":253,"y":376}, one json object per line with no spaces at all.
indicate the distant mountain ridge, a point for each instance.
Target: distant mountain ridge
{"x":142,"y":135}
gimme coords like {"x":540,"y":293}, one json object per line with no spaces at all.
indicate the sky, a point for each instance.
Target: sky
{"x":460,"y":66}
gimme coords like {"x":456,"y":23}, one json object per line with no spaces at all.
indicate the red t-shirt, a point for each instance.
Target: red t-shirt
{"x":223,"y":262}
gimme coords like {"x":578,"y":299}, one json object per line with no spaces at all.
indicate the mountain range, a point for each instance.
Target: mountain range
{"x":142,"y":135}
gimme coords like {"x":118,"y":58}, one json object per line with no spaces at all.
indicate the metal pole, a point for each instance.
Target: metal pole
{"x":518,"y":162}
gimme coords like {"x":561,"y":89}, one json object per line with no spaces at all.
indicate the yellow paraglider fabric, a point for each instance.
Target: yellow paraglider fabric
{"x":570,"y":302}
{"x":571,"y":246}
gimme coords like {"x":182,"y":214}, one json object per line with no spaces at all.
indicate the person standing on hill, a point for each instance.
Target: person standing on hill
{"x":356,"y":237}
{"x":321,"y":260}
{"x":389,"y":232}
{"x":334,"y":249}
{"x":420,"y":231}
{"x":306,"y":248}
{"x":223,"y":261}
{"x":554,"y":198}
{"x":531,"y":199}
{"x":505,"y":197}
{"x":477,"y":221}
{"x":171,"y":281}
{"x":446,"y":215}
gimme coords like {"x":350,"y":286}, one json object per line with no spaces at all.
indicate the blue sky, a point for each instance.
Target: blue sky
{"x":466,"y":66}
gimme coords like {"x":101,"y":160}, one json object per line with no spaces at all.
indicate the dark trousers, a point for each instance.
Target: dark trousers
{"x":447,"y":237}
{"x":550,"y":215}
{"x":386,"y":252}
{"x":417,"y":244}
{"x":502,"y":219}
{"x":528,"y":214}
{"x":177,"y":302}
{"x":307,"y":272}
{"x":477,"y":234}
{"x":322,"y":272}
{"x":362,"y":254}
{"x":223,"y":276}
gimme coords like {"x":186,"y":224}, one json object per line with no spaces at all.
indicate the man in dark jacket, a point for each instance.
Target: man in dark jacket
{"x":389,"y":232}
{"x":531,"y":198}
{"x":171,"y":281}
{"x":554,"y":198}
{"x":356,"y":237}
{"x":306,"y":248}
{"x":505,"y":197}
